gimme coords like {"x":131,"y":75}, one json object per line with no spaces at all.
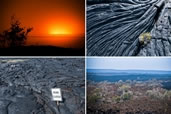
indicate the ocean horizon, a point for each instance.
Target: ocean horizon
{"x":116,"y":75}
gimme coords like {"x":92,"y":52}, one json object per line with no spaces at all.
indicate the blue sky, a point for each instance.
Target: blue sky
{"x":130,"y":63}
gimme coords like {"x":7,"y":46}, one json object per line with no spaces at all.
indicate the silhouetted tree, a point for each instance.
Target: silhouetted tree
{"x":15,"y":36}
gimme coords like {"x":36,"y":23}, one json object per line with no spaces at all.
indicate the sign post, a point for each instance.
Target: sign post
{"x":56,"y":94}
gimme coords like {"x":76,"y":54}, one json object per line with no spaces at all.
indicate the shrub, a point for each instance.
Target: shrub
{"x":116,"y":98}
{"x":124,"y":88}
{"x":145,"y":38}
{"x":155,"y":94}
{"x":93,"y":98}
{"x":97,"y":90}
{"x":167,"y":94}
{"x":15,"y":36}
{"x":127,"y":95}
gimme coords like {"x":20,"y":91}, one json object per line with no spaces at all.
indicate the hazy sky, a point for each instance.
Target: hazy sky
{"x":130,"y":63}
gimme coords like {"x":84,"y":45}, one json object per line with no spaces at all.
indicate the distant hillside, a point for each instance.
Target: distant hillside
{"x":126,"y":71}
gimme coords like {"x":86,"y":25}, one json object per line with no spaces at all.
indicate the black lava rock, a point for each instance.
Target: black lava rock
{"x":25,"y":86}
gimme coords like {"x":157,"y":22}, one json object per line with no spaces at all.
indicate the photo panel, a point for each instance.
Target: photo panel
{"x":42,"y":27}
{"x":42,"y":86}
{"x":128,"y":85}
{"x":128,"y":27}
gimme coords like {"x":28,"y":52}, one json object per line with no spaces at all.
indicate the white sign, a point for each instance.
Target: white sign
{"x":56,"y":94}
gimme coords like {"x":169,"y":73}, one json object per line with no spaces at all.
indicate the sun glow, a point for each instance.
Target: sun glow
{"x":59,"y":23}
{"x":65,"y":25}
{"x":59,"y":27}
{"x":59,"y":32}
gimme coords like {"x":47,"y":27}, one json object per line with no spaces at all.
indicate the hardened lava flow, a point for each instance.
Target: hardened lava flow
{"x":114,"y":27}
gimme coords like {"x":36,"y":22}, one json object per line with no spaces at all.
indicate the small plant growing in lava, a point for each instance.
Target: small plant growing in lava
{"x":145,"y":38}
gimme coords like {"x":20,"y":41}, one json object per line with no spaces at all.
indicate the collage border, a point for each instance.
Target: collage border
{"x":85,"y":57}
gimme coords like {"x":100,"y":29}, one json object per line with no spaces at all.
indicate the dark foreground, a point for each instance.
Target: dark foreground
{"x":25,"y":86}
{"x":129,"y":97}
{"x":41,"y":51}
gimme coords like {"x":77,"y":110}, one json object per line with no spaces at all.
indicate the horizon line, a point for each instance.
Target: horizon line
{"x":60,"y":35}
{"x":129,"y":69}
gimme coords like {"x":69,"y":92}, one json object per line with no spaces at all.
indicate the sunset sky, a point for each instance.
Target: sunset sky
{"x":47,"y":17}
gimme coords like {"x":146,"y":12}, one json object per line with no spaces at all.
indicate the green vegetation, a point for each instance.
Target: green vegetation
{"x":93,"y":98}
{"x":139,"y":94}
{"x":124,"y":88}
{"x":167,"y":94}
{"x":97,"y":90}
{"x":116,"y":99}
{"x":156,"y":94}
{"x":145,"y":38}
{"x":127,"y":95}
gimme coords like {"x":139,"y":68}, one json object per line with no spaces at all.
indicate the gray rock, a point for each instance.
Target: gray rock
{"x":26,"y":86}
{"x":3,"y":106}
{"x":25,"y":105}
{"x":113,"y":27}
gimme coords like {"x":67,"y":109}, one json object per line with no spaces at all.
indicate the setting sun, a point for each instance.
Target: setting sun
{"x":65,"y":25}
{"x":59,"y":31}
{"x":54,"y":25}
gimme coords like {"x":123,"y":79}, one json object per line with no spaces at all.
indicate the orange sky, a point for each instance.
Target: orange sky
{"x":47,"y":17}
